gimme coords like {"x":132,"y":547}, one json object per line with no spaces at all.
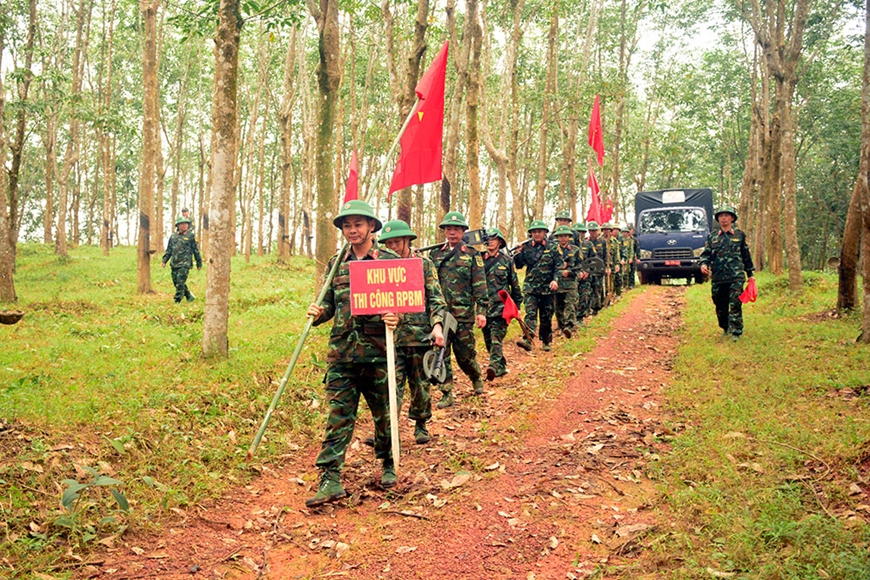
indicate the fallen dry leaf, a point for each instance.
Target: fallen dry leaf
{"x":405,"y":549}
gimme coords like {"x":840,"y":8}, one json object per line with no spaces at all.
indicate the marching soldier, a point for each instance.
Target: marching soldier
{"x":599,"y":250}
{"x":584,"y":284}
{"x":566,"y":295}
{"x":543,"y":264}
{"x":357,"y":358}
{"x":413,"y":338}
{"x":563,"y":218}
{"x":463,"y":283}
{"x":182,"y":249}
{"x":628,"y":257}
{"x":726,"y":256}
{"x":615,"y":248}
{"x":186,"y":213}
{"x":635,"y":256}
{"x":500,"y":275}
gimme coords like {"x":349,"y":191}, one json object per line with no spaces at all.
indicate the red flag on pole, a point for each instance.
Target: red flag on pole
{"x":420,"y":159}
{"x":607,"y":211}
{"x":352,"y":189}
{"x":510,"y":307}
{"x":594,"y":213}
{"x":596,"y":138}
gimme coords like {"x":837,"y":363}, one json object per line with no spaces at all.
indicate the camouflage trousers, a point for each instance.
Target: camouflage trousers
{"x":729,"y":309}
{"x":463,"y":346}
{"x":179,"y":280}
{"x":566,"y":314}
{"x":493,"y":335}
{"x":632,"y":271}
{"x":345,"y":382}
{"x":540,"y":306}
{"x":596,"y":301}
{"x":420,"y":408}
{"x":617,"y":282}
{"x":584,"y":299}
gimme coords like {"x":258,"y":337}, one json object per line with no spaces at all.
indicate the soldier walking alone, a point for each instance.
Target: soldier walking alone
{"x":182,"y":250}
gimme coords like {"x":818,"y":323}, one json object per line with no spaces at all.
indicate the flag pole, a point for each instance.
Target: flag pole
{"x":310,"y":322}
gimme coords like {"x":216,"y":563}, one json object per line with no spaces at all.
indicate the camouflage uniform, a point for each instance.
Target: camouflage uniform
{"x":413,"y":342}
{"x":584,"y":287}
{"x":599,"y":250}
{"x":635,"y":256}
{"x":566,"y":295}
{"x":500,"y":275}
{"x":543,"y":263}
{"x":182,"y":249}
{"x":357,"y":360}
{"x":727,"y":255}
{"x":615,"y":249}
{"x":463,"y":283}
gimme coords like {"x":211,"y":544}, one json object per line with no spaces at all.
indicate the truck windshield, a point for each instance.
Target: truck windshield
{"x":685,"y":219}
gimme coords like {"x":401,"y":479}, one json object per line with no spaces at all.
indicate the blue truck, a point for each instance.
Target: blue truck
{"x":671,"y":227}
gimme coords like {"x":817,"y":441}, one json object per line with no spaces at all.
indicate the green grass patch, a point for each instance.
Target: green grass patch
{"x":758,"y":481}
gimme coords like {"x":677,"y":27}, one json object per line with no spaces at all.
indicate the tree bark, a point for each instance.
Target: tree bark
{"x":215,"y":342}
{"x":105,"y":142}
{"x":453,"y":117}
{"x":476,"y":205}
{"x":148,"y":176}
{"x":285,"y":120}
{"x":543,"y":130}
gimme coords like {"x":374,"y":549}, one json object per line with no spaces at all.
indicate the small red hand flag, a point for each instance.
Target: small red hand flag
{"x":596,"y":138}
{"x":510,"y":307}
{"x":420,"y":159}
{"x":352,"y":189}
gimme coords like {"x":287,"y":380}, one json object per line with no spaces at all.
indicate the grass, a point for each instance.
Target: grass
{"x":758,"y":481}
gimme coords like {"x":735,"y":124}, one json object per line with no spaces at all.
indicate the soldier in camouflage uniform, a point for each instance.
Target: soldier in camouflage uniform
{"x":566,"y":295}
{"x":357,"y":358}
{"x":635,"y":259}
{"x":726,"y":255}
{"x":543,"y":264}
{"x":563,"y":218}
{"x":463,"y":283}
{"x":615,"y":248}
{"x":599,"y":250}
{"x":628,"y":258}
{"x":413,"y":338}
{"x":500,"y":275}
{"x":186,"y":213}
{"x":584,"y":283}
{"x":182,"y":249}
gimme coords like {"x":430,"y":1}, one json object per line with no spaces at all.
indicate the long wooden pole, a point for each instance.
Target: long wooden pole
{"x":309,"y":323}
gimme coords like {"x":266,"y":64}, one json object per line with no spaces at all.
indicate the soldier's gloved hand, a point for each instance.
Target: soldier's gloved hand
{"x":314,"y":311}
{"x":438,"y":335}
{"x":391,"y":320}
{"x":481,"y":320}
{"x":554,"y":285}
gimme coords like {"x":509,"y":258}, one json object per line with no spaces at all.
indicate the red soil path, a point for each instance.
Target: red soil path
{"x":554,"y":490}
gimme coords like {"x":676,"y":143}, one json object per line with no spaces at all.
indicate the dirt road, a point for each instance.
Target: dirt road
{"x":510,"y":486}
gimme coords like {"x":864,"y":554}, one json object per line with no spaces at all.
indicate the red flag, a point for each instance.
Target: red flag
{"x":352,"y":189}
{"x":750,"y":294}
{"x":420,"y":159}
{"x":594,"y":213}
{"x":596,"y":138}
{"x":607,"y":211}
{"x":510,"y":307}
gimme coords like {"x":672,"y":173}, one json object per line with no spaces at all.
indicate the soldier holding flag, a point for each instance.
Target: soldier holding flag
{"x":500,"y":275}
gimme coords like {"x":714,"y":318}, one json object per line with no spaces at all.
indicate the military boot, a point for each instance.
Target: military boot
{"x":329,"y":490}
{"x":190,"y":297}
{"x":421,"y":434}
{"x":478,"y":386}
{"x":524,"y":344}
{"x":388,"y":478}
{"x":547,"y":347}
{"x":446,"y":401}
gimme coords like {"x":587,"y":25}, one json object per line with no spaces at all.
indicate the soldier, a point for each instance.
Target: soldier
{"x":566,"y":295}
{"x":628,"y":252}
{"x":614,"y":246}
{"x":182,"y":249}
{"x":186,"y":213}
{"x":584,"y":284}
{"x":563,"y":218}
{"x":726,"y":255}
{"x":500,"y":275}
{"x":463,"y":283}
{"x":413,"y":338}
{"x":357,"y":358}
{"x":543,"y":264}
{"x":599,"y":250}
{"x":635,"y":260}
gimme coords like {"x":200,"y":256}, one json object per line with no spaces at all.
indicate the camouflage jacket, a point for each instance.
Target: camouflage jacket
{"x":354,"y":339}
{"x":182,"y":249}
{"x":417,"y":326}
{"x":542,"y":263}
{"x":727,"y":255}
{"x":586,"y":251}
{"x":501,"y":275}
{"x":463,"y":281}
{"x":571,"y":262}
{"x":599,"y":249}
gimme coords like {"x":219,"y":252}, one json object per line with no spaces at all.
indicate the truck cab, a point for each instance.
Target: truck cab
{"x":671,"y":227}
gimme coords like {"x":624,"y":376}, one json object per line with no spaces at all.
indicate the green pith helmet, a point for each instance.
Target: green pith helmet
{"x":453,"y":218}
{"x":538,"y":225}
{"x":183,"y":220}
{"x":564,"y":215}
{"x":496,"y":233}
{"x":396,"y":229}
{"x":579,"y":227}
{"x":624,"y":228}
{"x":606,"y":226}
{"x":356,"y":207}
{"x":562,"y":231}
{"x":592,"y":227}
{"x":726,"y":209}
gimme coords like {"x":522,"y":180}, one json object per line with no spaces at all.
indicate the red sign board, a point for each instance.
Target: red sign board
{"x":381,"y":286}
